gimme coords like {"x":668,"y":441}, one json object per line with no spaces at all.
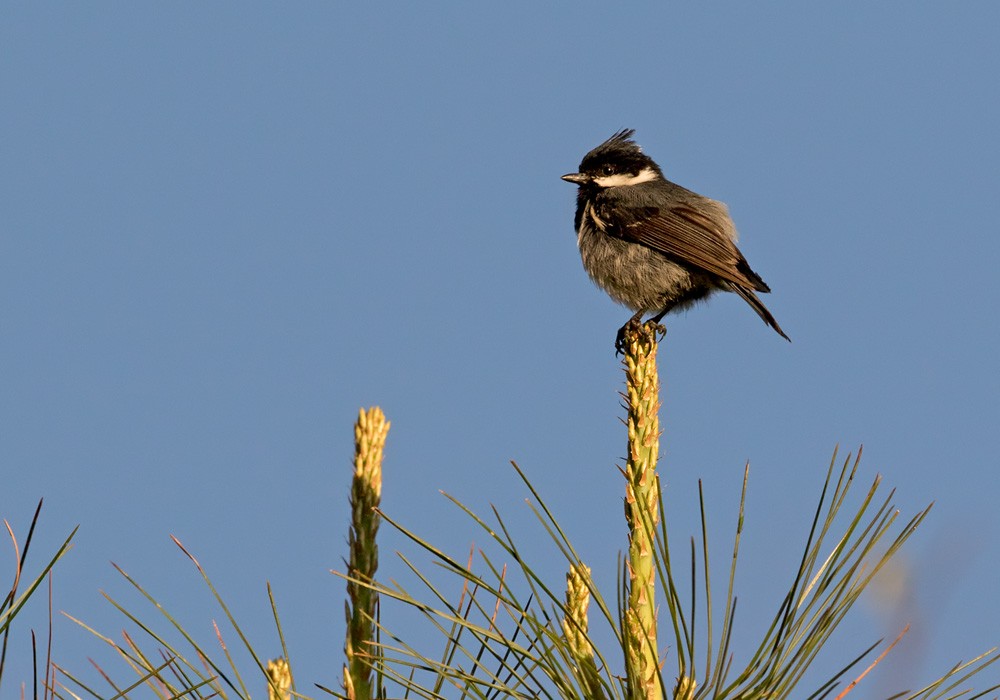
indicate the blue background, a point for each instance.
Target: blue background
{"x":225,"y":227}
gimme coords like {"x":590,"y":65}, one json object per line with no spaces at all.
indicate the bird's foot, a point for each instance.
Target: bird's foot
{"x":632,"y":330}
{"x":653,"y":326}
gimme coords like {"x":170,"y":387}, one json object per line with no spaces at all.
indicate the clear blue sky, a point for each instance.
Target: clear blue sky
{"x":225,"y":227}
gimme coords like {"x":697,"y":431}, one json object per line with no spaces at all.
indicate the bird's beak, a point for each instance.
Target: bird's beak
{"x":576,"y":178}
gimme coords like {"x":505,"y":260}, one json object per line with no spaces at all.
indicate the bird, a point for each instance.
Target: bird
{"x":653,"y":245}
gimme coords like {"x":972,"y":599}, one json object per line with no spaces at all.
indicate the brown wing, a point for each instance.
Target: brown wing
{"x":688,"y":235}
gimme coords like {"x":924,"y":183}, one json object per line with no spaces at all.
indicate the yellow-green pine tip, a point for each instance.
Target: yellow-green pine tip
{"x":279,"y":676}
{"x":366,"y":492}
{"x":642,"y":507}
{"x":575,"y":623}
{"x":369,"y":441}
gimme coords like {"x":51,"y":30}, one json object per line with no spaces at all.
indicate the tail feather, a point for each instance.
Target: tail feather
{"x":758,"y":306}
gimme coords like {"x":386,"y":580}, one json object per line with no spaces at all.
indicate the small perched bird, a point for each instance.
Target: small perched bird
{"x":653,"y":245}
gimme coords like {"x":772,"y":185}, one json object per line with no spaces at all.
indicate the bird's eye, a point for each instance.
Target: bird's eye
{"x":608,"y":170}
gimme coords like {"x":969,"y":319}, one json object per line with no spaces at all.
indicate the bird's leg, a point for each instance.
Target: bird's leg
{"x":632,"y":324}
{"x":657,"y":317}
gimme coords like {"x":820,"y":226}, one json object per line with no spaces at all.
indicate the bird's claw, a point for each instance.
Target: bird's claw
{"x":632,"y":328}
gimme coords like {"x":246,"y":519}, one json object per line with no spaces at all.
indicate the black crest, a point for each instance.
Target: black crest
{"x":619,"y":152}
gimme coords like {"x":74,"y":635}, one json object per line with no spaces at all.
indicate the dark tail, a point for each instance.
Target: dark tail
{"x":758,"y":306}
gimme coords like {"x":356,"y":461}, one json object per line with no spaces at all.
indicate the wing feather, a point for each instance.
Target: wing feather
{"x":684,"y":233}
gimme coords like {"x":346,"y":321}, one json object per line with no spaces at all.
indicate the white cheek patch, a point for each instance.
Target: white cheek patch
{"x":625,"y":179}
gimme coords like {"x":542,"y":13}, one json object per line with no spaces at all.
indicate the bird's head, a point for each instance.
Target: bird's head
{"x":615,"y":163}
